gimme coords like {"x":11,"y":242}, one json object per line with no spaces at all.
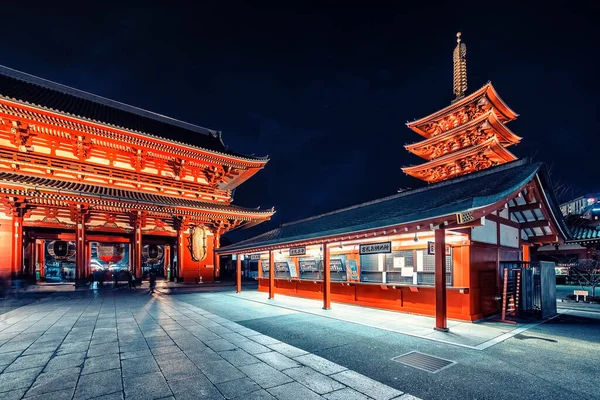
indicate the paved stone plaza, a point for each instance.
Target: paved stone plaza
{"x":132,"y":345}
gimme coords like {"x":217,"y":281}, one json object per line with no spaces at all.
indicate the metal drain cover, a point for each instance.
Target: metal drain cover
{"x":423,"y":361}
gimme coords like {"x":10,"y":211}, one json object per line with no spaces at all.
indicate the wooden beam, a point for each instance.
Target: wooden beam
{"x":524,"y":207}
{"x":535,"y":224}
{"x":546,"y":239}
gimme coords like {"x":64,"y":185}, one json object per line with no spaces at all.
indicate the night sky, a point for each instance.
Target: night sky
{"x":325,"y":89}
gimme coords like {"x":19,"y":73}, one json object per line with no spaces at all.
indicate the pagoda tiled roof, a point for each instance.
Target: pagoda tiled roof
{"x":582,"y":233}
{"x":34,"y":91}
{"x":79,"y":190}
{"x":442,"y":199}
{"x":487,"y":90}
{"x":504,"y":135}
{"x":492,"y":147}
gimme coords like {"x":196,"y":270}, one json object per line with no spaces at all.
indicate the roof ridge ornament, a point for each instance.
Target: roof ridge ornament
{"x":460,"y":68}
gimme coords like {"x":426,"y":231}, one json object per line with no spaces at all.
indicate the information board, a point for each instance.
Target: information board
{"x":308,"y":266}
{"x":293,"y":272}
{"x":297,"y":251}
{"x":351,"y":270}
{"x":376,"y":248}
{"x":336,"y":265}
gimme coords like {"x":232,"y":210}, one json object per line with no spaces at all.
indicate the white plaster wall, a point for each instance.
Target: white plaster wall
{"x":524,"y":234}
{"x":486,"y":233}
{"x":509,"y":236}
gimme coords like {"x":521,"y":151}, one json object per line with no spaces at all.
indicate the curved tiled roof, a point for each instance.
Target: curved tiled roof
{"x":113,"y":193}
{"x":52,"y":96}
{"x":585,"y":233}
{"x":438,"y":200}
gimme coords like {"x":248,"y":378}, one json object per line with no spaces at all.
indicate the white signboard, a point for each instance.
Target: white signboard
{"x":407,"y":271}
{"x":583,"y":293}
{"x":419,"y":260}
{"x":255,"y":256}
{"x":398,"y":262}
{"x":376,"y":248}
{"x":297,"y":251}
{"x":293,"y":272}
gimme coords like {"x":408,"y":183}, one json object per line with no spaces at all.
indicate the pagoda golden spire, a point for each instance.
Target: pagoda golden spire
{"x":460,"y":68}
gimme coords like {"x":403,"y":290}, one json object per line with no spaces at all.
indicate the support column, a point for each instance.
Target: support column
{"x":17,"y":241}
{"x":326,"y":278}
{"x":137,"y":250}
{"x":440,"y":280}
{"x":271,"y":275}
{"x":167,"y":260}
{"x":41,"y":247}
{"x":180,"y":248}
{"x":88,"y":259}
{"x":217,"y":259}
{"x":80,"y":253}
{"x":238,"y":274}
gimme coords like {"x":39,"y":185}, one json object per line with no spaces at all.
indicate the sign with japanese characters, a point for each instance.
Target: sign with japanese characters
{"x":254,"y":256}
{"x":335,"y":265}
{"x":308,"y":266}
{"x":376,"y":248}
{"x":265,"y":265}
{"x":431,"y":249}
{"x":281,"y":266}
{"x":297,"y":251}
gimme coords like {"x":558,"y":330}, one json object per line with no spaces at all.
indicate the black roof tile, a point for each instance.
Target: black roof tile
{"x":438,"y":200}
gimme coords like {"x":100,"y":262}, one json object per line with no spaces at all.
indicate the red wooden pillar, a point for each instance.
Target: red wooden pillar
{"x":440,"y":280}
{"x":137,"y":250}
{"x":271,"y":275}
{"x":80,"y":253}
{"x":167,"y":260}
{"x":180,"y":248}
{"x":238,"y":274}
{"x":17,"y":241}
{"x":216,"y":245}
{"x":326,"y":278}
{"x":41,"y":247}
{"x":88,"y":258}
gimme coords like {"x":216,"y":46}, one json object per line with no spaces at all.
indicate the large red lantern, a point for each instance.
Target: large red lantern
{"x":110,"y":253}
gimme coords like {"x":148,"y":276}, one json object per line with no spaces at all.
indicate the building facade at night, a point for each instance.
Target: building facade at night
{"x":89,"y":184}
{"x":436,"y":250}
{"x":581,"y":215}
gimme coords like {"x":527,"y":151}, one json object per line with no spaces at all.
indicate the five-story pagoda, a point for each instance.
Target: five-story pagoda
{"x":467,"y":136}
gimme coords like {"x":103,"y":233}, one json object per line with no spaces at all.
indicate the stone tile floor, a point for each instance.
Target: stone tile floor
{"x":136,"y":346}
{"x":472,"y":335}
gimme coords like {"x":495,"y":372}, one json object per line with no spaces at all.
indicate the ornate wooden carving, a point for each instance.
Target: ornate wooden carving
{"x":178,"y":167}
{"x":22,"y":136}
{"x":138,"y":159}
{"x":457,"y":118}
{"x":79,"y":212}
{"x":138,"y":219}
{"x":82,"y":147}
{"x":13,"y":206}
{"x":214,"y":174}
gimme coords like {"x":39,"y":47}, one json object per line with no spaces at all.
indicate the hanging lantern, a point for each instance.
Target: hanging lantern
{"x":110,"y":253}
{"x":198,"y":242}
{"x":152,"y":252}
{"x":61,"y":249}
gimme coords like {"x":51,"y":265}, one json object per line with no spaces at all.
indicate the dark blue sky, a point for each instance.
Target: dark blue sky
{"x":325,"y":89}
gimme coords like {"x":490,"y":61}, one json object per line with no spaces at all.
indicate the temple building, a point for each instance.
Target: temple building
{"x":468,"y":136}
{"x":90,"y":185}
{"x":436,"y":250}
